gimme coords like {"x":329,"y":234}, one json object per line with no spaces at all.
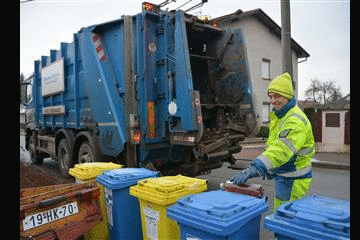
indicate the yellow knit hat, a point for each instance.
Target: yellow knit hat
{"x":282,"y":85}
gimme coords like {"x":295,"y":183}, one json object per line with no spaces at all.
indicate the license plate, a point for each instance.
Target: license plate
{"x":41,"y":218}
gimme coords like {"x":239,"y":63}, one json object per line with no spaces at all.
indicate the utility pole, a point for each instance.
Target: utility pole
{"x":286,"y":38}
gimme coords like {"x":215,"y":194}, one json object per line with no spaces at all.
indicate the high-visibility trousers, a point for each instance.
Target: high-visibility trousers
{"x":290,"y":189}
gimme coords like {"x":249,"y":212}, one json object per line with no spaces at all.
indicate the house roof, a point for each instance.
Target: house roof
{"x":308,"y":103}
{"x":267,"y":21}
{"x":341,"y":104}
{"x":347,"y":97}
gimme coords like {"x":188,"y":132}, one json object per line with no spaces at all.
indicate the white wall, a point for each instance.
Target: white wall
{"x":333,"y":137}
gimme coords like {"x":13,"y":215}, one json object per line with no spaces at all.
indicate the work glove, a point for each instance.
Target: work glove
{"x":242,"y":176}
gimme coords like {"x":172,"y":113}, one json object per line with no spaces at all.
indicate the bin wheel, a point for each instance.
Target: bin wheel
{"x":64,"y":156}
{"x":35,"y":156}
{"x":86,"y":153}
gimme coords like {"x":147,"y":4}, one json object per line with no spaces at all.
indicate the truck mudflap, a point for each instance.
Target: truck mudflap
{"x":63,"y":211}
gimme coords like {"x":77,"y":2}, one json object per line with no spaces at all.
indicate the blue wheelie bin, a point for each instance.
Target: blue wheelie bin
{"x":122,"y":209}
{"x":218,"y":215}
{"x":312,"y":217}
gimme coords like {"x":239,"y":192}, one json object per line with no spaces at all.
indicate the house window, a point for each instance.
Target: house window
{"x":265,"y":112}
{"x":265,"y":69}
{"x":332,"y":119}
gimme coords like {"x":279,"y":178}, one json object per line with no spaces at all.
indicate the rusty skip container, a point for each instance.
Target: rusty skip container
{"x":255,"y":190}
{"x":63,"y":211}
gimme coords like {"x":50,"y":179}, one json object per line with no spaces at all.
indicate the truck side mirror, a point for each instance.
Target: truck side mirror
{"x":25,"y":93}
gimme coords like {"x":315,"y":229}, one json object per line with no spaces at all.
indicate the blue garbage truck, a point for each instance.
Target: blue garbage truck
{"x":160,"y":89}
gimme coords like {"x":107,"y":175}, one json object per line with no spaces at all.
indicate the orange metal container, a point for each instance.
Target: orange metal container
{"x":63,"y":211}
{"x":255,"y":190}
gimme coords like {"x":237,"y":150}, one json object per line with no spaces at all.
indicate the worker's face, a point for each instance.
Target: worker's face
{"x":277,"y":101}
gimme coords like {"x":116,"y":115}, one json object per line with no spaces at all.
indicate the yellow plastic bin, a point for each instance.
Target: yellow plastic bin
{"x":155,"y":195}
{"x":87,"y":172}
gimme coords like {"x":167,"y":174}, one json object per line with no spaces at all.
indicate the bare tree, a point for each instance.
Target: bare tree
{"x":336,"y":96}
{"x":326,"y":90}
{"x":323,"y":92}
{"x":313,"y":89}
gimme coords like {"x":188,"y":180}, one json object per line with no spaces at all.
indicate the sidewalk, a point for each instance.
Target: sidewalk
{"x":254,"y":147}
{"x":332,"y":160}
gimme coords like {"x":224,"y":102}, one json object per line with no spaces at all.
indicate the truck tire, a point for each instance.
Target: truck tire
{"x":87,"y":153}
{"x":65,"y":162}
{"x":35,"y":156}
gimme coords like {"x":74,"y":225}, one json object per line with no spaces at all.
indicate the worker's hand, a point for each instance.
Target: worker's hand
{"x":242,"y":176}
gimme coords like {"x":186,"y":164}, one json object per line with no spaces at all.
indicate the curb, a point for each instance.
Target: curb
{"x":315,"y":163}
{"x":332,"y":165}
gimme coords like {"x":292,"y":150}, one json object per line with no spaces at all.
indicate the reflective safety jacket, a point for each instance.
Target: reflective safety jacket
{"x":290,"y":145}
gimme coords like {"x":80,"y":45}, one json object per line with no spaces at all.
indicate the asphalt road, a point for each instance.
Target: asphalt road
{"x":326,"y":182}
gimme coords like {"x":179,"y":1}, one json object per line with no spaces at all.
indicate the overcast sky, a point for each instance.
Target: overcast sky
{"x":321,"y":27}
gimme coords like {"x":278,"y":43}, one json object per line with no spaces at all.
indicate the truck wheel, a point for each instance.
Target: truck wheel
{"x":64,"y":157}
{"x":86,"y":153}
{"x":35,"y":156}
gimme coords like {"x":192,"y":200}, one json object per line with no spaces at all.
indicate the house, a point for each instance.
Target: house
{"x":335,"y":131}
{"x":331,"y":124}
{"x":263,"y":43}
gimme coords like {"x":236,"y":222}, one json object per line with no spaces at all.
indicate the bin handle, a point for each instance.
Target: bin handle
{"x":265,"y":197}
{"x":284,"y":212}
{"x":343,"y":227}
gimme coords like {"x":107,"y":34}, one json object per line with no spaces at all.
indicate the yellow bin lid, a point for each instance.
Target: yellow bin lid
{"x":85,"y":171}
{"x":167,"y":190}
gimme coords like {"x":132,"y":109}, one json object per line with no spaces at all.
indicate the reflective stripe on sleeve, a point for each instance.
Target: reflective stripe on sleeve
{"x":296,"y":173}
{"x":305,"y":151}
{"x":266,"y":162}
{"x":288,"y":143}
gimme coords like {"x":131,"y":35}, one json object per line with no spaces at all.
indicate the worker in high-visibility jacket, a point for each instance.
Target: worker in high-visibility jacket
{"x":289,"y":148}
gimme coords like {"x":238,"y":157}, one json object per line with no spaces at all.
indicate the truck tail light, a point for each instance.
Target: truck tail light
{"x":204,"y":18}
{"x":135,"y":129}
{"x":135,"y":136}
{"x":214,"y":24}
{"x":150,"y":7}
